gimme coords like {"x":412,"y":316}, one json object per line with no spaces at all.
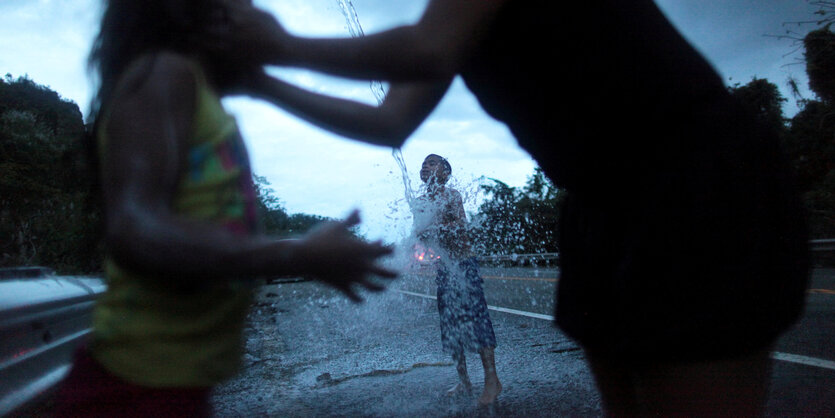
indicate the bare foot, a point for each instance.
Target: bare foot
{"x":460,"y":389}
{"x":492,"y":389}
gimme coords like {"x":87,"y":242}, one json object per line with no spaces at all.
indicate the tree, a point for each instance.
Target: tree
{"x":514,"y":221}
{"x":274,"y":218}
{"x":762,"y":98}
{"x":46,"y":215}
{"x":811,"y":136}
{"x":819,"y":46}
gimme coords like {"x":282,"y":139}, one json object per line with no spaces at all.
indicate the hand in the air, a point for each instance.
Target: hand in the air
{"x":331,"y":254}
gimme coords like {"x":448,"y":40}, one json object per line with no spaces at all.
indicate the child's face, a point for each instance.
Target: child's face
{"x":433,"y":170}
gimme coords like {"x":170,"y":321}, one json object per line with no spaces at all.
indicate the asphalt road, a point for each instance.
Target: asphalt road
{"x":310,"y":352}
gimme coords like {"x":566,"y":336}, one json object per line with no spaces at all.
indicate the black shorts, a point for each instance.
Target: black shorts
{"x":465,"y":322}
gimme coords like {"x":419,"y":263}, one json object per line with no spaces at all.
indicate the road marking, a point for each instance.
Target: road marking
{"x":791,"y":358}
{"x":523,"y":313}
{"x":420,"y":295}
{"x":491,"y":307}
{"x":544,"y":279}
{"x":809,"y":361}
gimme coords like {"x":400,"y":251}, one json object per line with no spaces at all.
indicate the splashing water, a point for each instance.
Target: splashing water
{"x":403,"y":253}
{"x":355,"y":29}
{"x":407,"y":182}
{"x":347,"y":9}
{"x":405,"y":249}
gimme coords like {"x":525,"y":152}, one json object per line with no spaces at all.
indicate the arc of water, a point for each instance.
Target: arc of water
{"x":355,"y":29}
{"x":407,"y":183}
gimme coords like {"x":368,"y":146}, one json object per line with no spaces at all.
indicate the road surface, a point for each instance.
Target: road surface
{"x":310,"y":352}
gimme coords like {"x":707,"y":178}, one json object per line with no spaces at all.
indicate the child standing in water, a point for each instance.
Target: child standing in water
{"x":440,"y":222}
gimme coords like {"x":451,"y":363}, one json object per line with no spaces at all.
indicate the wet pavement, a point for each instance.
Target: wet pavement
{"x":310,"y":352}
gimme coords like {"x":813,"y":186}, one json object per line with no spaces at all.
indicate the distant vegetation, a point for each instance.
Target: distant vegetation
{"x":517,"y":220}
{"x":49,"y":215}
{"x":46,"y":215}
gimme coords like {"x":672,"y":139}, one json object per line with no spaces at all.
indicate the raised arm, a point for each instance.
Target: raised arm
{"x":147,"y":131}
{"x":434,"y":48}
{"x":405,"y":107}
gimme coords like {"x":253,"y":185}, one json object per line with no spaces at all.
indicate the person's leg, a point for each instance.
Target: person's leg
{"x":492,"y":385}
{"x":736,"y":387}
{"x":464,"y":386}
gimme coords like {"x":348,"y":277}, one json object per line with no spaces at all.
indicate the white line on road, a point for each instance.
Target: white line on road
{"x":809,"y":361}
{"x":791,"y":358}
{"x":523,"y":313}
{"x":494,"y":308}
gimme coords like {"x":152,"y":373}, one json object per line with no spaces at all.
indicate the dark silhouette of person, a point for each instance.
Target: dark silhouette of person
{"x":683,"y":244}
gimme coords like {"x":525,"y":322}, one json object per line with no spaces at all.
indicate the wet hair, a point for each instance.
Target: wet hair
{"x":130,"y":28}
{"x":444,"y":162}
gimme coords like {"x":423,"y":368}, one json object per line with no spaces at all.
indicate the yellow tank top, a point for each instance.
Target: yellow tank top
{"x":148,"y":333}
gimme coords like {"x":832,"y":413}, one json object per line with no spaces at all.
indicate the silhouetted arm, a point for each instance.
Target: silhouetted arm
{"x":436,"y":47}
{"x":405,"y":107}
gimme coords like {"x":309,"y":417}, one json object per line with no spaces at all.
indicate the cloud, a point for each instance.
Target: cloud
{"x":49,"y":40}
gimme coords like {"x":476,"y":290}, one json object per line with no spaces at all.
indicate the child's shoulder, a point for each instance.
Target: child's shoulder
{"x":452,"y":194}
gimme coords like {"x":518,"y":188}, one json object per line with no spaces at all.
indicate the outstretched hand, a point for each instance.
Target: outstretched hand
{"x":331,"y":254}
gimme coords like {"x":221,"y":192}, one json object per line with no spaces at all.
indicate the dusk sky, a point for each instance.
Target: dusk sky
{"x":315,"y":172}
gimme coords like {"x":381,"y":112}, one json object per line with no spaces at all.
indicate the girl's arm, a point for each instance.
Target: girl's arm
{"x":435,"y":47}
{"x":147,"y":133}
{"x":405,"y":107}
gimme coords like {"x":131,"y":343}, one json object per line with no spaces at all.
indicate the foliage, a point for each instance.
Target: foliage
{"x":513,"y":221}
{"x":275,"y":220}
{"x":809,"y":142}
{"x":46,"y":217}
{"x":811,"y":137}
{"x":820,"y":62}
{"x":763,"y":98}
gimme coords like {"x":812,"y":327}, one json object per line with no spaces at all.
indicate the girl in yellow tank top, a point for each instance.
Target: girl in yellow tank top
{"x":180,"y":222}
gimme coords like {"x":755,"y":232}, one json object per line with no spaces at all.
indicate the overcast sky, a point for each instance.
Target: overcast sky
{"x":314,"y":172}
